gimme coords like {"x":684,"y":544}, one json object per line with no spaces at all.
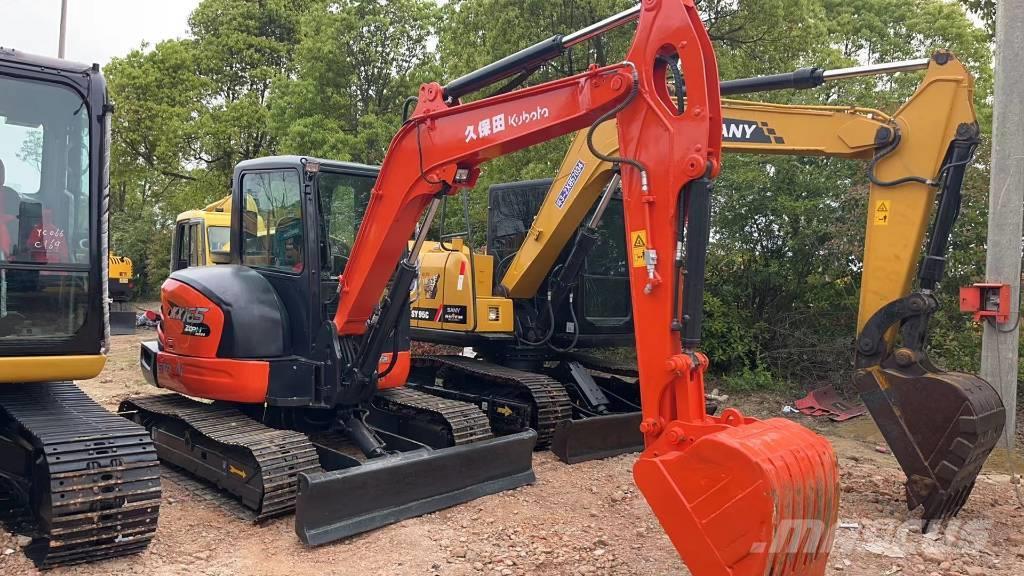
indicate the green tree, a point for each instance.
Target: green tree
{"x":356,"y":63}
{"x":241,"y":47}
{"x":788,"y":238}
{"x":186,"y":112}
{"x":985,"y":10}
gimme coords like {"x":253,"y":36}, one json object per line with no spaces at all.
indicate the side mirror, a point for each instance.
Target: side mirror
{"x":220,"y":257}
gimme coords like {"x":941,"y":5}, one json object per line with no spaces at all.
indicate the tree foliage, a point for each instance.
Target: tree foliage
{"x":330,"y":78}
{"x":356,"y":64}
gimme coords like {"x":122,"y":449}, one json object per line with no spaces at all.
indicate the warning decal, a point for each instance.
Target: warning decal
{"x":882,"y":209}
{"x":638,"y":244}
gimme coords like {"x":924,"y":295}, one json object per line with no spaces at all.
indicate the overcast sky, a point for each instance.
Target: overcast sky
{"x":98,"y":30}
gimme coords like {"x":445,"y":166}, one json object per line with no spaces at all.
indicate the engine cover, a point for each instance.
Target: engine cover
{"x":222,"y":312}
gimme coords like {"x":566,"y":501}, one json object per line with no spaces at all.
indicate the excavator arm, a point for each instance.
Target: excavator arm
{"x":941,"y":426}
{"x":766,"y":128}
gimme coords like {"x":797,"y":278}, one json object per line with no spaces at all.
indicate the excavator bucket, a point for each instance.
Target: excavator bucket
{"x":341,"y":503}
{"x":743,"y":497}
{"x":941,"y":426}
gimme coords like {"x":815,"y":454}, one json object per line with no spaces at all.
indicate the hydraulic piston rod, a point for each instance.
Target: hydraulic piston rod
{"x":531,"y":58}
{"x":805,"y":78}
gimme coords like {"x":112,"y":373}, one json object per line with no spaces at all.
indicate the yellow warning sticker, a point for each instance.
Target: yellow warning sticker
{"x":237,"y":471}
{"x":882,"y":211}
{"x":638,"y":244}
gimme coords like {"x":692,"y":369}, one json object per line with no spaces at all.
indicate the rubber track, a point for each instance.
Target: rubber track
{"x":547,"y":395}
{"x":104,"y":475}
{"x":278,"y":455}
{"x":467,"y":422}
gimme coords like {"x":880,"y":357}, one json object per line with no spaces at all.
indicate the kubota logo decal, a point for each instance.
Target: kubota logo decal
{"x":497,"y":123}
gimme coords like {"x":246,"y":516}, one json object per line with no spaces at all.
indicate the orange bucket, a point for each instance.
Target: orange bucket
{"x":742,"y":497}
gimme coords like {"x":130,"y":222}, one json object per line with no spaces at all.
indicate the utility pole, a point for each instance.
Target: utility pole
{"x":1005,"y":204}
{"x":63,"y":27}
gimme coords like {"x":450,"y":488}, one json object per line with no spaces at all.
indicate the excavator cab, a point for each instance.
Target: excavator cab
{"x":598,"y":313}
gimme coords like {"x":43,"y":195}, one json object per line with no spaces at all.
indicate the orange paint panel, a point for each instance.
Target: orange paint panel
{"x":192,"y":324}
{"x":398,"y":375}
{"x":215,"y":379}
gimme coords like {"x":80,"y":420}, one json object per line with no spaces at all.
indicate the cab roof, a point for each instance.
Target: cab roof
{"x":17,"y":57}
{"x":271,"y":162}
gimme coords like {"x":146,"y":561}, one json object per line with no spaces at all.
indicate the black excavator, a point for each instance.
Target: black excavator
{"x":83,"y":482}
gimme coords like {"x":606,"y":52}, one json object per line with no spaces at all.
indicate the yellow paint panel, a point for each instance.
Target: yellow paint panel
{"x":50,"y":368}
{"x":638,"y":245}
{"x":882,"y":213}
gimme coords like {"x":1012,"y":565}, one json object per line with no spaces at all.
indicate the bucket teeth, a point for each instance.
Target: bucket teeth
{"x":941,"y":427}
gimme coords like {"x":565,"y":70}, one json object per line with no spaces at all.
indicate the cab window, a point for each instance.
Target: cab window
{"x":272,"y":220}
{"x":45,"y":221}
{"x":219,"y":238}
{"x":343,"y":200}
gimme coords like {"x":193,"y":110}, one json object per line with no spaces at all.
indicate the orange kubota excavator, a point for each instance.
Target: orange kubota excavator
{"x":737,"y":496}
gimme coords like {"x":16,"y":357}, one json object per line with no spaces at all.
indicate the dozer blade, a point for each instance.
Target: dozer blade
{"x":341,"y":503}
{"x":122,"y":323}
{"x":597,"y":437}
{"x":747,"y":498}
{"x":941,"y":427}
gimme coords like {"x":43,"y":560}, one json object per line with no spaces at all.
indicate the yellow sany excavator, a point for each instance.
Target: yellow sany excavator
{"x":533,"y":301}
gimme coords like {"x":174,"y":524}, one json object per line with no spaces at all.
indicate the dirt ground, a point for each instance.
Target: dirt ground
{"x":582,"y":519}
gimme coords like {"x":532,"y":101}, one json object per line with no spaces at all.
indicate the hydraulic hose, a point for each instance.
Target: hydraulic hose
{"x":575,"y":325}
{"x":633,"y":93}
